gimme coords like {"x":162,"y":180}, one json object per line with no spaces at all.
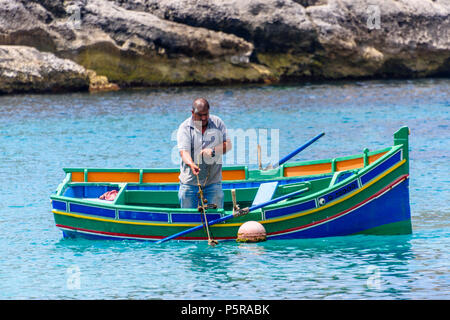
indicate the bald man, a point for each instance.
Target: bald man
{"x":202,"y":140}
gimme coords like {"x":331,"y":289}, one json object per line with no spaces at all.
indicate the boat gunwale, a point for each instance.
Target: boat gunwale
{"x":285,"y":217}
{"x":356,"y":176}
{"x":358,"y":173}
{"x":271,"y":173}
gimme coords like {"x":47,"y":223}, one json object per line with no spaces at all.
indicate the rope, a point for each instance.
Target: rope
{"x":211,"y":241}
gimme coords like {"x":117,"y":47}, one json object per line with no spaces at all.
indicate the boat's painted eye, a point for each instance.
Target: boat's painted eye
{"x":321,"y":201}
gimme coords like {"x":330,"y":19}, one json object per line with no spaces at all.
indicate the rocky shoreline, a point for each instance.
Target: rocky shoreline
{"x":101,"y":45}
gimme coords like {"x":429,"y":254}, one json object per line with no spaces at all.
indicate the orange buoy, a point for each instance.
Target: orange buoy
{"x":251,"y":231}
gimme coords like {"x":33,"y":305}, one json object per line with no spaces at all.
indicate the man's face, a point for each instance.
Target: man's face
{"x":201,"y":115}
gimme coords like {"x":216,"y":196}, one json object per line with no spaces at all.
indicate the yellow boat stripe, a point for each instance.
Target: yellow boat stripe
{"x":237,"y":224}
{"x":126,"y":222}
{"x":325,"y":206}
{"x":338,"y":201}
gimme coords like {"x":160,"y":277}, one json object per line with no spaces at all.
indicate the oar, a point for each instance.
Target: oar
{"x":296,"y":151}
{"x":241,"y":212}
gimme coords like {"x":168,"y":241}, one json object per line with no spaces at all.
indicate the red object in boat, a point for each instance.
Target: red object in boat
{"x":110,"y":195}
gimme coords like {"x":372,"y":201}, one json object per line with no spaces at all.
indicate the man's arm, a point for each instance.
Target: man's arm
{"x":184,"y":144}
{"x":186,"y":157}
{"x":219,"y":150}
{"x":224,"y":148}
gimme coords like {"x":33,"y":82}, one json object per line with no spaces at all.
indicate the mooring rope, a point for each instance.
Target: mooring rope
{"x":202,"y":208}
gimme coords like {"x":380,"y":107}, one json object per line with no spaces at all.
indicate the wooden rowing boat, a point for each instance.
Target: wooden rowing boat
{"x":361,"y":194}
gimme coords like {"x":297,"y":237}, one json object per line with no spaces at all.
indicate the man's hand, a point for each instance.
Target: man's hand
{"x":195,"y":169}
{"x":208,"y":152}
{"x":186,"y":157}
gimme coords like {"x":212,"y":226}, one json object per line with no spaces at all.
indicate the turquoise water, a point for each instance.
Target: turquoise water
{"x":41,"y":134}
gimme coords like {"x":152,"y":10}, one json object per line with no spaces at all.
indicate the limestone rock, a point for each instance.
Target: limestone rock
{"x":179,"y":42}
{"x":25,"y":69}
{"x":131,"y":48}
{"x":271,"y":25}
{"x":326,"y":38}
{"x":100,"y":83}
{"x":403,"y":38}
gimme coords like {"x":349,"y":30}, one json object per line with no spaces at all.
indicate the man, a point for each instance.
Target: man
{"x":202,"y":140}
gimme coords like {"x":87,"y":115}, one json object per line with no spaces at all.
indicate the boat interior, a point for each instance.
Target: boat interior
{"x":159,"y":188}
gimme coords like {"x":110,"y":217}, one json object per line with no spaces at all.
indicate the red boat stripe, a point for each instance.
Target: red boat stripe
{"x":126,"y":235}
{"x":109,"y":233}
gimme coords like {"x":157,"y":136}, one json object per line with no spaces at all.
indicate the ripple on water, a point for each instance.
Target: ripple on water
{"x":41,"y":134}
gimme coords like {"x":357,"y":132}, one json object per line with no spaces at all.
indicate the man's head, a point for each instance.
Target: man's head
{"x":200,"y":111}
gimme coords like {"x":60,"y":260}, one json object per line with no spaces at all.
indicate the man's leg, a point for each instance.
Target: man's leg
{"x":214,"y":194}
{"x":188,"y":196}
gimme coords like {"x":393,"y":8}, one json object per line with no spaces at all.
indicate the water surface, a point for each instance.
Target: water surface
{"x":41,"y":134}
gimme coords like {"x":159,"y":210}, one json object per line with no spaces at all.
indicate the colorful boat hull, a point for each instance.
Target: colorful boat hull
{"x":369,"y":196}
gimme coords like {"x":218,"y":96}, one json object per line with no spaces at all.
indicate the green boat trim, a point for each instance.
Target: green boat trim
{"x":333,"y":197}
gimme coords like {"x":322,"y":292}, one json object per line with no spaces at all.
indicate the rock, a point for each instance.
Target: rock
{"x":131,"y":48}
{"x":271,"y":25}
{"x":179,"y":42}
{"x":308,"y":3}
{"x":100,"y":83}
{"x":389,"y":39}
{"x":326,"y":39}
{"x":25,"y":69}
{"x":280,"y":30}
{"x":145,"y":50}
